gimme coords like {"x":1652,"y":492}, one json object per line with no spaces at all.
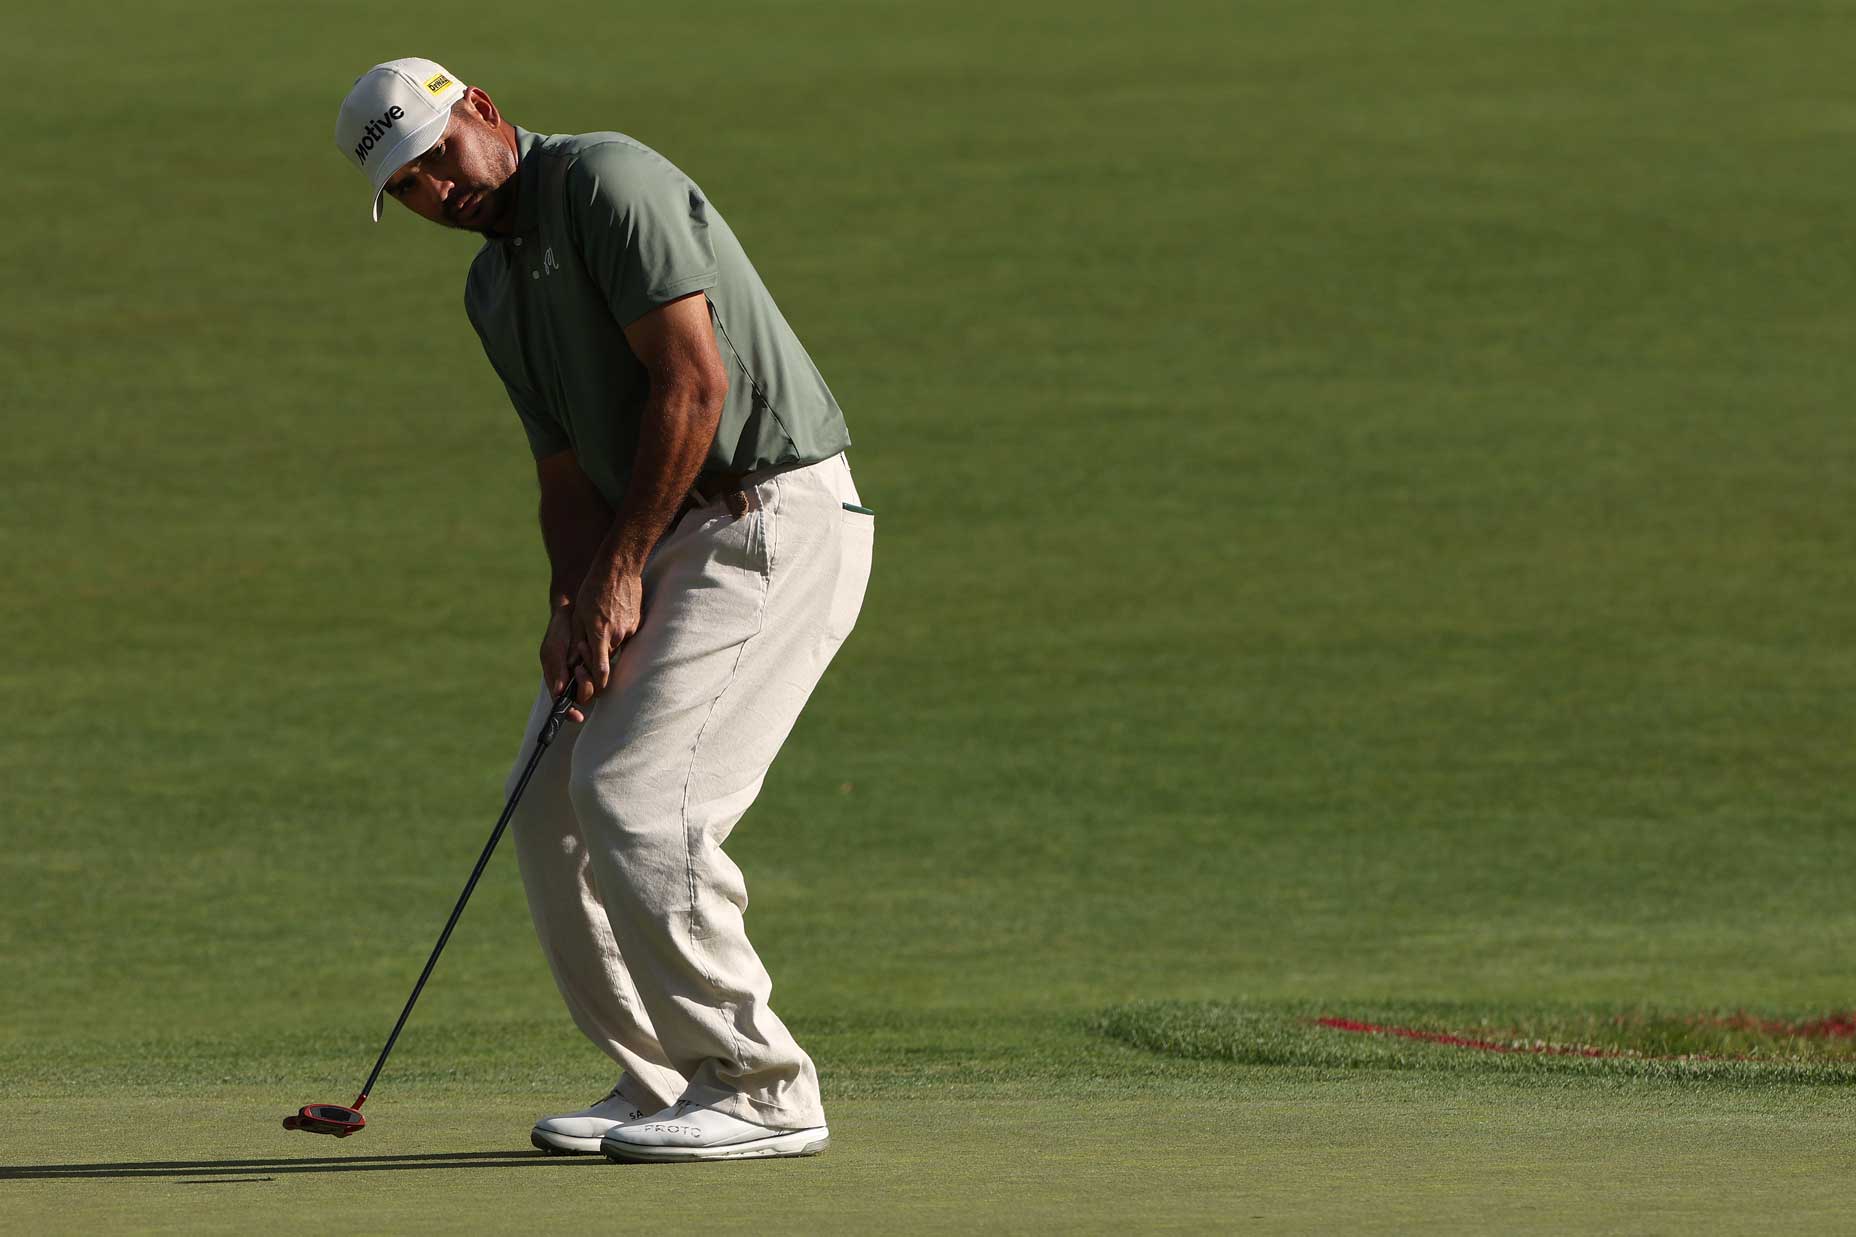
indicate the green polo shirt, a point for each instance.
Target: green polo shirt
{"x":607,"y":230}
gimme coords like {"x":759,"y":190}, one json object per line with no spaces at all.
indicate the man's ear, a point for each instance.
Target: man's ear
{"x":481,"y":106}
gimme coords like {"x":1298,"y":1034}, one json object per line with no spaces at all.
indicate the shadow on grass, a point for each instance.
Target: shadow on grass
{"x":228,"y":1172}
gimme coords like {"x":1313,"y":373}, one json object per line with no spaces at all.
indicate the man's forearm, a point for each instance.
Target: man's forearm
{"x":676,"y":345}
{"x":679,"y":426}
{"x":573,"y":523}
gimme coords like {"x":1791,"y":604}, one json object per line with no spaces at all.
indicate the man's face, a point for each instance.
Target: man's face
{"x":466,"y":180}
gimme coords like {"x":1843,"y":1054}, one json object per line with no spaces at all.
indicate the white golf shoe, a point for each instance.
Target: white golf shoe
{"x":687,"y":1131}
{"x":581,"y":1131}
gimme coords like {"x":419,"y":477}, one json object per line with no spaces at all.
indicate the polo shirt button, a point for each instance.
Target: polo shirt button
{"x":518,"y":242}
{"x":534,"y":274}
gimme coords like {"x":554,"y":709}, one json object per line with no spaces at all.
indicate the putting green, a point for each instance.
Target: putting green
{"x":1285,"y":1155}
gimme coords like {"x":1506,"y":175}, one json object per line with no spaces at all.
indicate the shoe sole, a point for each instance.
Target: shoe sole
{"x":562,"y":1144}
{"x":798,"y":1143}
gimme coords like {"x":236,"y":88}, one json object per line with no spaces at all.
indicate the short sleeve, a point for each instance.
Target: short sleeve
{"x":643,"y":229}
{"x":545,"y":435}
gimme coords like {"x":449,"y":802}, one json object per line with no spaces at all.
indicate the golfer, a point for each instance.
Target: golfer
{"x":707,"y":555}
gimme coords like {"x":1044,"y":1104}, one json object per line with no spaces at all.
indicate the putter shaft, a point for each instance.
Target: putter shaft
{"x":557,"y":715}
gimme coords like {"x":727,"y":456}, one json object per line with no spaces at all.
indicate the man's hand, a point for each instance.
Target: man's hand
{"x":556,"y":655}
{"x":607,"y":612}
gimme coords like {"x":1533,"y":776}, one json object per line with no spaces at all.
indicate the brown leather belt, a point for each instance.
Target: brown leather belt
{"x":711,"y":487}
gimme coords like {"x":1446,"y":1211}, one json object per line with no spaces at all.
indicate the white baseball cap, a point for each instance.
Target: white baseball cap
{"x":396,"y":112}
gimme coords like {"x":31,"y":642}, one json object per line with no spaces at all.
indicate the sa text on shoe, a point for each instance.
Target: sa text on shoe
{"x":686,"y":1132}
{"x":581,"y":1131}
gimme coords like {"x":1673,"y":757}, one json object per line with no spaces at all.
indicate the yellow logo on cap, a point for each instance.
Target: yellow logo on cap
{"x":436,"y":84}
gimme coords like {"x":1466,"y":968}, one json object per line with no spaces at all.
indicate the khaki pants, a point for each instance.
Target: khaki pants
{"x":620,"y":833}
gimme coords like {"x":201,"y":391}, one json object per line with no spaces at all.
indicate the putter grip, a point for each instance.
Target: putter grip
{"x":558,"y":714}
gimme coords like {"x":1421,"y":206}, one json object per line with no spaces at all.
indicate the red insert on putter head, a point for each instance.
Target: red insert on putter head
{"x":326,"y":1119}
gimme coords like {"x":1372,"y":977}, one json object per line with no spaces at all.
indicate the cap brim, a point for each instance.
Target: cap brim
{"x":410,"y":147}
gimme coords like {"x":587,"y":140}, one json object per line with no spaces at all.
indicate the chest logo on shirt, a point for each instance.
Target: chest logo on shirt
{"x":548,"y":265}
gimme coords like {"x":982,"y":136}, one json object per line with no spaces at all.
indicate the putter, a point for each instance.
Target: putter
{"x":341,"y":1121}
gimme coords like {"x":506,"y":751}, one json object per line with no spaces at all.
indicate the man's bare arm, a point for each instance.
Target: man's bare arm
{"x":676,"y":345}
{"x":574,"y":520}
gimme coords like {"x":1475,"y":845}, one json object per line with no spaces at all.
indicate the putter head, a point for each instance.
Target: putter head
{"x":326,"y":1119}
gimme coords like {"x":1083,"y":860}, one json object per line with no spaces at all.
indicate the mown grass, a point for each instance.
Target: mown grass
{"x":1365,"y":512}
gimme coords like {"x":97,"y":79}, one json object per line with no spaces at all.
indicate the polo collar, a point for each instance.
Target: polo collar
{"x":528,"y":182}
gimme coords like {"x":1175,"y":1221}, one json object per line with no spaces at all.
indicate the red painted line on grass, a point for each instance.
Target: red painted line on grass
{"x":1840,"y":1025}
{"x":1463,"y":1041}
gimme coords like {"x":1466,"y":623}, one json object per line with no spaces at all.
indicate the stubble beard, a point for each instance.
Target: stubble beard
{"x":497,"y":201}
